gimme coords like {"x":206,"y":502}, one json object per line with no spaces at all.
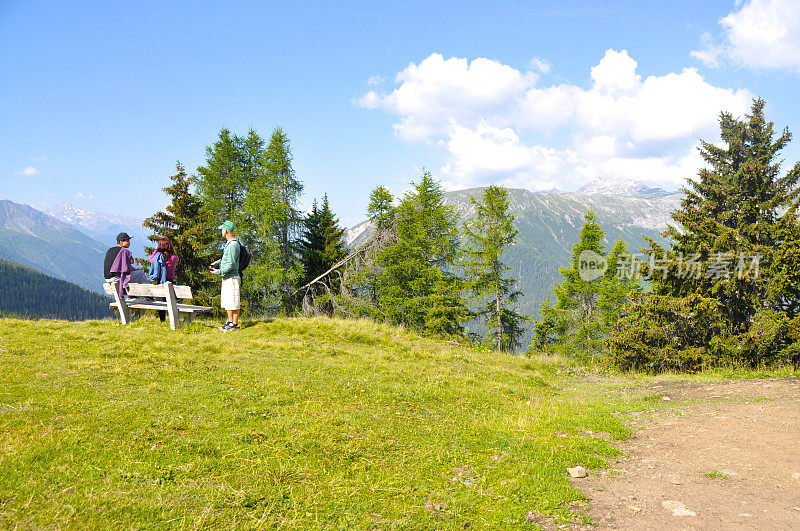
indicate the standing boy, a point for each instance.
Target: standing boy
{"x":228,"y":269}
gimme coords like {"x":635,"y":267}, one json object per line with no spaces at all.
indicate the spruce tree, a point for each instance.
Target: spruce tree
{"x":184,"y":222}
{"x":416,"y":285}
{"x":322,"y":244}
{"x":739,"y":206}
{"x":488,"y":233}
{"x":738,"y":222}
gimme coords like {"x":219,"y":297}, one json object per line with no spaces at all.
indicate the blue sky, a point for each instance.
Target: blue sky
{"x":99,"y":99}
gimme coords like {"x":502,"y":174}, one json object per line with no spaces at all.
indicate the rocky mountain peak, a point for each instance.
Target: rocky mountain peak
{"x":626,"y":188}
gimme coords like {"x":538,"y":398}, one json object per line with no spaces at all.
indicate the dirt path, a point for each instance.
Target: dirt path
{"x":730,"y":459}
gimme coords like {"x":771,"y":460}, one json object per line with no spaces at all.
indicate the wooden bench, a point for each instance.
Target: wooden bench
{"x":134,"y":306}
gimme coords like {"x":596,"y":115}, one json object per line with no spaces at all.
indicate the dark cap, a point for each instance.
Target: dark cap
{"x":122,"y":236}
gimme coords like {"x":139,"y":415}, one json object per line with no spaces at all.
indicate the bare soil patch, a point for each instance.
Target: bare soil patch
{"x":727,"y":456}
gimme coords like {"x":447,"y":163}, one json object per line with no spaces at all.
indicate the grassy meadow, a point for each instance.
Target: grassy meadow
{"x":291,"y":423}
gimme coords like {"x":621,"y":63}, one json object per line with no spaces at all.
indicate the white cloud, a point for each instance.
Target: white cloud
{"x":81,"y":195}
{"x":495,"y":124}
{"x":30,"y":171}
{"x":438,"y":90}
{"x":711,"y":53}
{"x":616,"y":74}
{"x":539,"y":64}
{"x":375,"y":80}
{"x":762,"y":34}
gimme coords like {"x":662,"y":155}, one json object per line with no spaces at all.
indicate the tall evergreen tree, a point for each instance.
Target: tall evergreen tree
{"x":738,"y":222}
{"x":587,"y":305}
{"x":184,"y":222}
{"x":381,"y":209}
{"x":740,"y":205}
{"x":222,"y":182}
{"x":416,"y":285}
{"x":322,"y":244}
{"x":281,"y":175}
{"x":488,"y":233}
{"x":253,"y":184}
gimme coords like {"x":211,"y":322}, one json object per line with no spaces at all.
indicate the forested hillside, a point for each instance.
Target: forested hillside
{"x":28,"y":293}
{"x":34,"y":239}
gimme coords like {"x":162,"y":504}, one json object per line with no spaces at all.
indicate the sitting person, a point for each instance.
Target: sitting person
{"x":163,"y":262}
{"x":118,"y":265}
{"x":162,"y":268}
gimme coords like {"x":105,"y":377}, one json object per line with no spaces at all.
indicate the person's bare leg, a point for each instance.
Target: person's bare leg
{"x":230,"y":315}
{"x":233,"y":316}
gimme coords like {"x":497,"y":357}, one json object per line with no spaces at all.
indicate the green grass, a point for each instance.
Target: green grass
{"x":292,"y":423}
{"x":716,"y":474}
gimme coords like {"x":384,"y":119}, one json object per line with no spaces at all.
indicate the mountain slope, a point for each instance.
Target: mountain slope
{"x":549,"y":226}
{"x":28,"y":293}
{"x":34,"y":239}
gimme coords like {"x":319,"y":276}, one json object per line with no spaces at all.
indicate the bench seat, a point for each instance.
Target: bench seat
{"x":179,"y":314}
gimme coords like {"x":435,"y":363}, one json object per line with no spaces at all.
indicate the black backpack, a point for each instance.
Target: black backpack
{"x":244,"y":258}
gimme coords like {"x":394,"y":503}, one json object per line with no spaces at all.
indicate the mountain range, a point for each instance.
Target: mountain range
{"x":34,"y":239}
{"x":100,"y":226}
{"x":67,"y":243}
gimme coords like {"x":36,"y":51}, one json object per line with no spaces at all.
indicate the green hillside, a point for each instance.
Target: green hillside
{"x":295,"y":423}
{"x":34,"y":239}
{"x":28,"y":293}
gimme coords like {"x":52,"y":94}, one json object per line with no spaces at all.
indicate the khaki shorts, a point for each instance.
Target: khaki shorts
{"x":230,"y":294}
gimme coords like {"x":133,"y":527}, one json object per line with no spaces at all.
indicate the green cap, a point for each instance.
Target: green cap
{"x":228,"y":225}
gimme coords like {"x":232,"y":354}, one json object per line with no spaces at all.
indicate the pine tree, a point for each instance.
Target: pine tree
{"x":184,"y":222}
{"x":488,"y":233}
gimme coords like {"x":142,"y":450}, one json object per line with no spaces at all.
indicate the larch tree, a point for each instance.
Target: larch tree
{"x":487,"y":234}
{"x":288,"y":221}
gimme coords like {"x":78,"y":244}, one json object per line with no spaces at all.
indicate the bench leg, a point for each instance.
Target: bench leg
{"x":172,"y":307}
{"x":124,"y":311}
{"x":188,"y":319}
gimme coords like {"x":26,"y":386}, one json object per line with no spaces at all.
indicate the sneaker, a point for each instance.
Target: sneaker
{"x":231,"y":328}
{"x":225,"y":326}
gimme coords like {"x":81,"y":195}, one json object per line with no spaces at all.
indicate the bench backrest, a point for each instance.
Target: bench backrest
{"x":151,"y":290}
